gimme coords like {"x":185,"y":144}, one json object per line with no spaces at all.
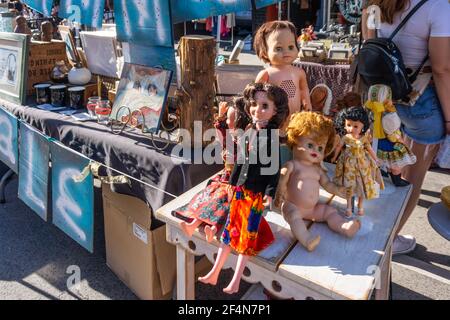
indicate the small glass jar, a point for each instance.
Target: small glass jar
{"x":103,"y":110}
{"x":91,"y":104}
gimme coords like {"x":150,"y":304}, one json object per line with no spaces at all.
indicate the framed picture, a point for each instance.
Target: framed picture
{"x":13,"y":66}
{"x":71,"y":48}
{"x":339,"y":53}
{"x":101,"y":44}
{"x":309,"y":52}
{"x":7,"y":21}
{"x":141,"y":96}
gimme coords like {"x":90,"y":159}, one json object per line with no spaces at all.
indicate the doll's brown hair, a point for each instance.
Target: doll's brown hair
{"x":318,"y":127}
{"x":260,"y":44}
{"x":275,"y":94}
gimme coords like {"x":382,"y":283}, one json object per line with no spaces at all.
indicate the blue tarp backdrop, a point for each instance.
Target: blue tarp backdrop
{"x":42,"y":6}
{"x":88,"y":12}
{"x":183,"y":10}
{"x":264,"y":3}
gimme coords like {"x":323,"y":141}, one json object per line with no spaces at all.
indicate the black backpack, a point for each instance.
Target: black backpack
{"x":379,"y":61}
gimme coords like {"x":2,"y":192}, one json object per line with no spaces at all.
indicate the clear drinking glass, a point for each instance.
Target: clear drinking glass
{"x":91,"y":104}
{"x":103,"y":110}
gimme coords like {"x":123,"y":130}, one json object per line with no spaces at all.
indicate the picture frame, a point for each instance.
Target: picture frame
{"x":101,"y":44}
{"x":71,"y":48}
{"x":141,"y":97}
{"x":7,"y":21}
{"x":14,"y":49}
{"x":309,"y":52}
{"x":339,"y":54}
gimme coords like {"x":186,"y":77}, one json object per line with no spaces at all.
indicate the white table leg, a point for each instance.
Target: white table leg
{"x":383,"y":292}
{"x":185,"y":274}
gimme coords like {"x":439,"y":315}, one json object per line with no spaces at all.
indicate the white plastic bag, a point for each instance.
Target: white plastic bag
{"x":443,"y":156}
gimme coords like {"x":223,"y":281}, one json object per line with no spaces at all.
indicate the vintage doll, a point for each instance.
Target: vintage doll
{"x":321,"y":97}
{"x":253,"y":183}
{"x":275,"y":43}
{"x":350,"y":99}
{"x":392,"y":151}
{"x":211,"y":205}
{"x":356,"y":169}
{"x":311,"y":135}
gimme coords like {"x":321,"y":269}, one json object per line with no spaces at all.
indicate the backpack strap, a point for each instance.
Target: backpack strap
{"x":409,"y":15}
{"x":413,"y":77}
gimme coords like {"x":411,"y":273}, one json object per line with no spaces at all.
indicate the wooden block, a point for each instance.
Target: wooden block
{"x":42,"y":59}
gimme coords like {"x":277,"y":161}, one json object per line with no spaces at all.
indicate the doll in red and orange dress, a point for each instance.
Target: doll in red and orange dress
{"x":211,"y":205}
{"x":253,"y":183}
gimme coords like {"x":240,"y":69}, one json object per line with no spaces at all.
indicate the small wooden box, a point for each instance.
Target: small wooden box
{"x":42,"y":59}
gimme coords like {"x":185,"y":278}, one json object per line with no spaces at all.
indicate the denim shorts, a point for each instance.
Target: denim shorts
{"x":423,"y":122}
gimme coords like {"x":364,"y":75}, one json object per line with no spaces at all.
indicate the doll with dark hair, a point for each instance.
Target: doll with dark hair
{"x":253,"y":183}
{"x":210,"y":206}
{"x":357,"y":167}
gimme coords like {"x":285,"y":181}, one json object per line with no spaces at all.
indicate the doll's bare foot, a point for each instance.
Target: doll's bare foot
{"x":187,"y":229}
{"x":312,"y":243}
{"x":232,"y":288}
{"x":360,"y":212}
{"x":210,"y":278}
{"x":349,"y":212}
{"x":210,"y":231}
{"x":350,"y":228}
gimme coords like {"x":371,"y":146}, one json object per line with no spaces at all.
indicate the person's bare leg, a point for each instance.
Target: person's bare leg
{"x":337,"y":223}
{"x":233,"y":287}
{"x":213,"y":275}
{"x":360,"y":206}
{"x":189,"y":228}
{"x":210,"y":232}
{"x":415,"y":174}
{"x":298,"y":227}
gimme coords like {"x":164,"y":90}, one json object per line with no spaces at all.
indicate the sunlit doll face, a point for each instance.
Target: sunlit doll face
{"x":309,"y":150}
{"x":354,"y":127}
{"x":281,"y":48}
{"x":262,"y":109}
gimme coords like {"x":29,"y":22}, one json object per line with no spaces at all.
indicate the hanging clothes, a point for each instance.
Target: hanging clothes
{"x":231,"y":20}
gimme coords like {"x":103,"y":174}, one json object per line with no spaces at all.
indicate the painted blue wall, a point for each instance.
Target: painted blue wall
{"x":42,"y":6}
{"x":88,"y":12}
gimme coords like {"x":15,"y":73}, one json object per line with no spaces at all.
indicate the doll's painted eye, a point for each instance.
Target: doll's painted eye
{"x":320,"y":149}
{"x":291,"y":47}
{"x":265,"y":106}
{"x":310,"y":146}
{"x":278,"y":49}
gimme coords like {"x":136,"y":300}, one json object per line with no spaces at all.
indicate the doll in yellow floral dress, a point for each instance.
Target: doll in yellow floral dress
{"x":357,"y":169}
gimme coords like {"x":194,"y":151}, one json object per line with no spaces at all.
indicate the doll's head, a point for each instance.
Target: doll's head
{"x":276,"y":43}
{"x":350,"y":99}
{"x":266,"y":104}
{"x":311,"y":136}
{"x":354,"y":120}
{"x":321,"y":97}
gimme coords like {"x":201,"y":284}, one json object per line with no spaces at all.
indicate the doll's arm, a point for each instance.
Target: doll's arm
{"x":304,"y":92}
{"x":262,"y":77}
{"x":329,"y":186}
{"x":285,"y":174}
{"x":338,"y":150}
{"x":372,"y":153}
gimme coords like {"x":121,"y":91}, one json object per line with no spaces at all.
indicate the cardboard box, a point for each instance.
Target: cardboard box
{"x":139,"y":256}
{"x":41,"y":60}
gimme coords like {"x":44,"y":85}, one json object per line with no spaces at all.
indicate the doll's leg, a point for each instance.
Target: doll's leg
{"x":189,"y":228}
{"x":210,"y":232}
{"x":213,"y":275}
{"x":337,"y":223}
{"x":234,"y":283}
{"x":360,"y":206}
{"x":293,"y":216}
{"x":349,"y":211}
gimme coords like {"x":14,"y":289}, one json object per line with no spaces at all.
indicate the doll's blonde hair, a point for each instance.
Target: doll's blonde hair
{"x":314,"y":125}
